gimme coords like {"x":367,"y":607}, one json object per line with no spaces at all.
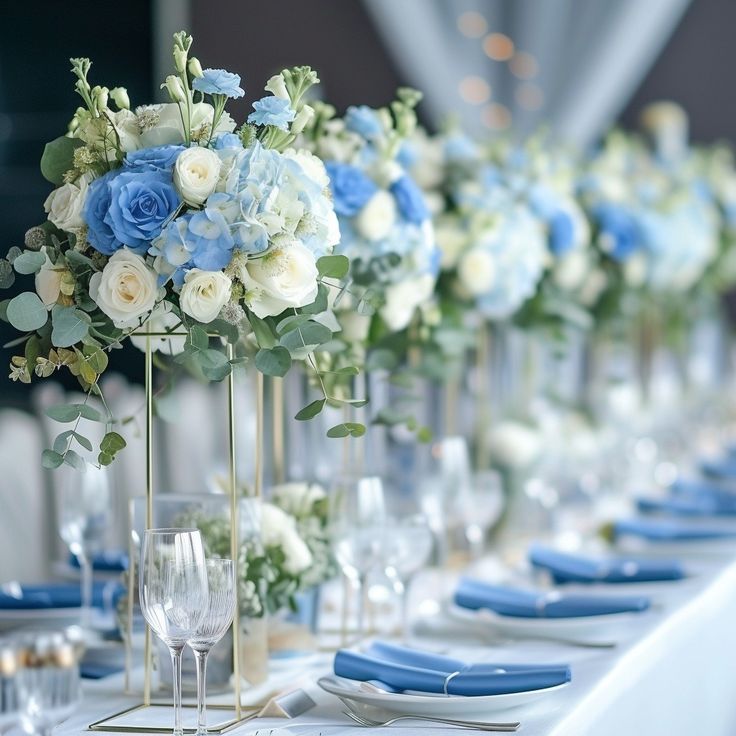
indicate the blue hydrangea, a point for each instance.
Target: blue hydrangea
{"x":410,"y":200}
{"x":561,"y":233}
{"x":272,"y":110}
{"x":351,"y":188}
{"x":218,"y":82}
{"x":619,"y":230}
{"x":227,"y":140}
{"x":364,"y":121}
{"x":158,"y":158}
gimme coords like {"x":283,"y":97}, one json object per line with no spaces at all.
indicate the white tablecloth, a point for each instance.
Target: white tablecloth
{"x":674,"y":677}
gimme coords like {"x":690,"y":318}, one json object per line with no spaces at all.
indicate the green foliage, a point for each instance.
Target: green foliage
{"x":26,"y":312}
{"x":111,"y":444}
{"x":274,"y":361}
{"x":311,"y":410}
{"x":335,"y":267}
{"x":58,"y":158}
{"x":7,"y":275}
{"x":70,"y":326}
{"x":346,"y":429}
{"x":29,"y":262}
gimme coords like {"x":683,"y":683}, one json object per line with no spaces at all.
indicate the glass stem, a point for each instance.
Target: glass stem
{"x":362,"y":594}
{"x":176,"y":679}
{"x":405,"y":609}
{"x":85,"y":568}
{"x":201,"y":658}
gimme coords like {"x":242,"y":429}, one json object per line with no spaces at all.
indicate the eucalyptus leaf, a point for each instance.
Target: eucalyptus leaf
{"x":26,"y":312}
{"x":51,"y":459}
{"x":7,"y":275}
{"x":291,"y":323}
{"x":58,"y":158}
{"x":198,"y":338}
{"x":29,"y":262}
{"x":70,"y":326}
{"x":305,"y":339}
{"x":346,"y":429}
{"x":274,"y":361}
{"x":75,"y":460}
{"x":63,"y":413}
{"x":112,"y":443}
{"x":263,"y":331}
{"x":214,"y":365}
{"x":335,"y":267}
{"x":311,"y":410}
{"x":320,"y":304}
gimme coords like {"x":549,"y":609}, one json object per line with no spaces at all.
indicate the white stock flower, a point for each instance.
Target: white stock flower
{"x":403,"y":298}
{"x":196,"y":172}
{"x":126,"y":127}
{"x":285,"y":277}
{"x":167,"y":127}
{"x":477,"y":271}
{"x":126,"y":289}
{"x":48,"y":281}
{"x":204,"y":294}
{"x":162,"y":319}
{"x":64,"y":205}
{"x":278,"y":529}
{"x":375,"y":220}
{"x":277,"y":87}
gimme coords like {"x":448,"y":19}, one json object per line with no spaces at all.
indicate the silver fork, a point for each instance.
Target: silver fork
{"x":474,"y":725}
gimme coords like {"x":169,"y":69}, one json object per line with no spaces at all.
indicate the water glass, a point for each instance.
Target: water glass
{"x":218,"y":617}
{"x":174,"y":593}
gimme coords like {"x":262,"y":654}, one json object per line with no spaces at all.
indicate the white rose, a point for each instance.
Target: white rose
{"x":278,"y":529}
{"x":64,"y":205}
{"x":162,"y":319}
{"x":571,"y":270}
{"x":375,"y":220}
{"x":514,"y":445}
{"x":285,"y":277}
{"x":403,"y":298}
{"x":126,"y":289}
{"x":451,"y":240}
{"x":196,"y":172}
{"x":204,"y":294}
{"x":48,"y":281}
{"x":126,"y":126}
{"x":164,"y":126}
{"x":477,"y":271}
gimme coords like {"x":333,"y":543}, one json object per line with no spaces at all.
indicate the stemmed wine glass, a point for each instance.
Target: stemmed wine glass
{"x":217,"y":619}
{"x":358,"y":515}
{"x":84,"y":518}
{"x":174,"y":594}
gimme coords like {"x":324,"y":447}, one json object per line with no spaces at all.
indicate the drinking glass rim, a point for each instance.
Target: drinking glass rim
{"x":171,"y":530}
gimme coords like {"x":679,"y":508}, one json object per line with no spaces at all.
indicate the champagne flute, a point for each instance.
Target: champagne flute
{"x":173,"y":594}
{"x":358,"y":515}
{"x":84,"y":519}
{"x":217,"y":619}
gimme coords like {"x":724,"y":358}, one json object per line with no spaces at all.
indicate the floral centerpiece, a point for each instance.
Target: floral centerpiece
{"x":170,"y":220}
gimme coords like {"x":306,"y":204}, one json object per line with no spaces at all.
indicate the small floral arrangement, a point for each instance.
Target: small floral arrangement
{"x":168,"y":220}
{"x":290,"y":554}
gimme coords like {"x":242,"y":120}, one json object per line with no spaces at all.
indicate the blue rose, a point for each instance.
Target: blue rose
{"x":218,"y":82}
{"x":96,"y":206}
{"x":140,"y":205}
{"x":619,"y":231}
{"x":227,"y":140}
{"x":351,"y":188}
{"x":158,"y":158}
{"x":561,"y":233}
{"x":272,"y":110}
{"x":410,"y":200}
{"x":363,"y":121}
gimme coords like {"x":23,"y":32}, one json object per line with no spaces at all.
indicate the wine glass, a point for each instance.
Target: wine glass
{"x":409,"y":542}
{"x":358,"y":515}
{"x":84,"y":518}
{"x":217,"y":619}
{"x":173,"y":593}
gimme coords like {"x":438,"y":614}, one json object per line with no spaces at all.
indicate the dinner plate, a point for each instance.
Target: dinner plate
{"x":457,"y":706}
{"x":18,"y":618}
{"x":629,"y":544}
{"x":606,"y":627}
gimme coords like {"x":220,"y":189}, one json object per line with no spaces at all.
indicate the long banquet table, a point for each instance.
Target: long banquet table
{"x":673,"y":676}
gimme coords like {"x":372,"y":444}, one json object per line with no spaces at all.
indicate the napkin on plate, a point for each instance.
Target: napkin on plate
{"x":666,"y":530}
{"x":524,"y":603}
{"x":107,"y":561}
{"x":723,"y":469}
{"x":571,"y":568}
{"x":58,"y":595}
{"x":368,"y":666}
{"x":686,"y":505}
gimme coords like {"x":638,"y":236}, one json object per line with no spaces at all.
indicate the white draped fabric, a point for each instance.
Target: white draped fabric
{"x":590,"y":56}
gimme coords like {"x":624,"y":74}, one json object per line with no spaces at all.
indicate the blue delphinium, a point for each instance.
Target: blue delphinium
{"x":158,"y":158}
{"x":218,"y":82}
{"x":410,"y":200}
{"x":272,"y":110}
{"x":561,"y":233}
{"x":619,"y":231}
{"x":141,"y":202}
{"x":351,"y":188}
{"x":99,"y":232}
{"x":364,"y":121}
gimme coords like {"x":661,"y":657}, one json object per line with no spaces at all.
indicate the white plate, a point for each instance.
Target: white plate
{"x":609,"y":627}
{"x":34,"y":617}
{"x":627,"y":544}
{"x":453,"y":706}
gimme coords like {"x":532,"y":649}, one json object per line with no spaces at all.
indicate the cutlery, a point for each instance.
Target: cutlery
{"x":473,"y":725}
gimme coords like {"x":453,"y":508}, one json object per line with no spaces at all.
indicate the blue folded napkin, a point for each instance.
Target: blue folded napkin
{"x":683,"y":505}
{"x":666,"y":530}
{"x":107,"y":561}
{"x":569,"y":568}
{"x":61,"y":595}
{"x":699,"y":487}
{"x":723,"y":469}
{"x":97,"y":670}
{"x":507,"y":601}
{"x":367,"y":667}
